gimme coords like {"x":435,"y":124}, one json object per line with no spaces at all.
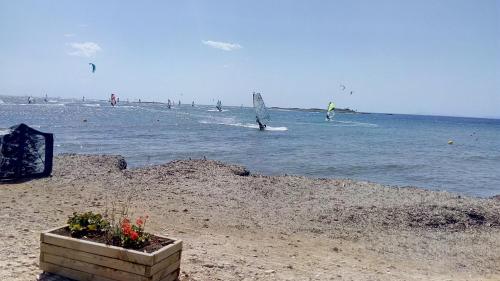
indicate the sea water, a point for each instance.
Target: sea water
{"x":402,"y":150}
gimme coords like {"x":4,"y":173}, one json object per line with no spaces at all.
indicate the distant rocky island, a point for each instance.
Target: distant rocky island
{"x":341,"y":110}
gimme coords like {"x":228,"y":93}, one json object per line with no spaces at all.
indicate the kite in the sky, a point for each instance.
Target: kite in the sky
{"x":93,"y":67}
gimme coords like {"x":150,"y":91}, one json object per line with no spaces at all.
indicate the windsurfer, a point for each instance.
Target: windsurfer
{"x":262,"y":127}
{"x":330,"y":111}
{"x":113,"y":100}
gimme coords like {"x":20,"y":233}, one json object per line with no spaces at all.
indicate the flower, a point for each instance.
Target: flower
{"x":134,"y":235}
{"x":139,"y":222}
{"x":126,"y":227}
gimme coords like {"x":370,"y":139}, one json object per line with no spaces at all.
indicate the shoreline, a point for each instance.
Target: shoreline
{"x":243,"y":226}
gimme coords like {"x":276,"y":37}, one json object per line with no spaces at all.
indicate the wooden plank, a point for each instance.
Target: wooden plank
{"x":93,"y":268}
{"x":167,"y":251}
{"x":163,"y":264}
{"x":172,"y":276}
{"x":94,"y":259}
{"x":166,"y":271}
{"x":98,"y":248}
{"x":71,"y":273}
{"x":50,"y":230}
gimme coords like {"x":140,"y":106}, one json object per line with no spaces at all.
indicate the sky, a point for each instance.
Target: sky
{"x":416,"y":57}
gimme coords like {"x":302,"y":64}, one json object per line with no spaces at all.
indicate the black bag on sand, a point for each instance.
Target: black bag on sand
{"x":25,"y":153}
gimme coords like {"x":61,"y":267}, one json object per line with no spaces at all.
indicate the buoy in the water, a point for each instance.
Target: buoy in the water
{"x":450,"y":142}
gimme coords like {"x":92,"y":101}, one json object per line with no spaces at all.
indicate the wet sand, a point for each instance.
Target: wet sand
{"x":240,"y":226}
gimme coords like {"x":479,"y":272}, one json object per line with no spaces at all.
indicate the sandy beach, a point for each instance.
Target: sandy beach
{"x":237,"y":225}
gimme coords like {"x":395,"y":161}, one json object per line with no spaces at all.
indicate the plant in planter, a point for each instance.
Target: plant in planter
{"x":92,"y":248}
{"x":130,"y":235}
{"x":87,"y":224}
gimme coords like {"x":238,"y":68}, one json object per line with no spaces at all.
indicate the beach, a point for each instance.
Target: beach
{"x":237,"y":225}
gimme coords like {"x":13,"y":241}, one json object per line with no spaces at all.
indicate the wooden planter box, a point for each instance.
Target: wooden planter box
{"x":86,"y":260}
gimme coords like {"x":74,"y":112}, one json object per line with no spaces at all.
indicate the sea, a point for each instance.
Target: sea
{"x":391,"y":149}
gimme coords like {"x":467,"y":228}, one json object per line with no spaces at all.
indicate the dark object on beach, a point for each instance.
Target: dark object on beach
{"x":25,"y":153}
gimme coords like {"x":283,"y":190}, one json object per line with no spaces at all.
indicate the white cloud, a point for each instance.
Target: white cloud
{"x":85,"y":49}
{"x":69,"y":35}
{"x":222,"y":45}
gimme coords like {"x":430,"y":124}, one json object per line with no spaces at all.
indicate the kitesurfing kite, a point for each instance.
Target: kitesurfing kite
{"x":330,"y":112}
{"x":93,"y":67}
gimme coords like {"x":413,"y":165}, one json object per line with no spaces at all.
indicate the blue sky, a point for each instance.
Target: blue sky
{"x":417,"y":57}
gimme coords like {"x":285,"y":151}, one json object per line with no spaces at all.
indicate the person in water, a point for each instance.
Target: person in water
{"x":262,"y":127}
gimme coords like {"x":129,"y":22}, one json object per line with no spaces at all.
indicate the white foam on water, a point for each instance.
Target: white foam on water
{"x":245,"y":125}
{"x":4,"y":132}
{"x":269,"y":128}
{"x":91,"y":104}
{"x":1,"y":102}
{"x":216,"y":110}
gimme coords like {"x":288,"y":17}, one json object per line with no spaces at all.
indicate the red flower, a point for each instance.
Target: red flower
{"x":126,"y":227}
{"x":134,"y":235}
{"x":139,"y":222}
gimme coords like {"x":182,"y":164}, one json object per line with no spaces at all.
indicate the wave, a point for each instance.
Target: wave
{"x":216,"y":110}
{"x":360,"y":169}
{"x":91,"y":104}
{"x":246,"y":125}
{"x":2,"y":102}
{"x":481,"y":157}
{"x":281,"y":109}
{"x":352,"y":124}
{"x":4,"y":132}
{"x":42,"y":104}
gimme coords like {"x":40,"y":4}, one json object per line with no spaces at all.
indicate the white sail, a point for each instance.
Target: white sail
{"x":261,"y":111}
